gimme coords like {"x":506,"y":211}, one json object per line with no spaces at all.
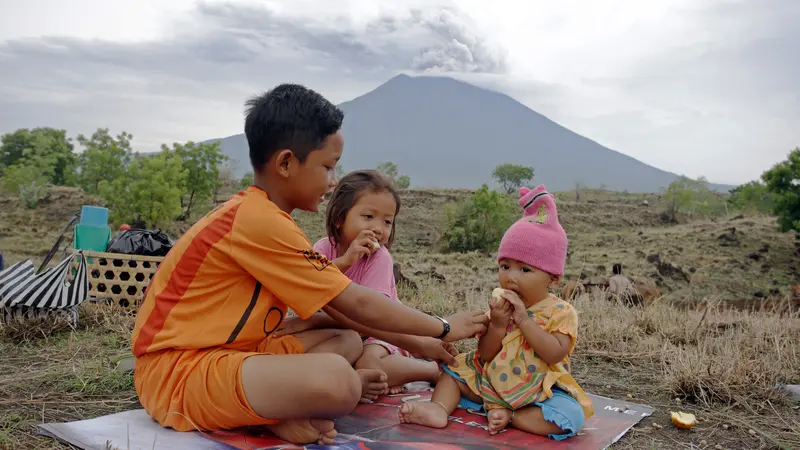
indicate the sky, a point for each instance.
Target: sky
{"x":696,"y":87}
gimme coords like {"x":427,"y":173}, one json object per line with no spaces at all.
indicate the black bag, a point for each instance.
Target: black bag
{"x":140,"y":242}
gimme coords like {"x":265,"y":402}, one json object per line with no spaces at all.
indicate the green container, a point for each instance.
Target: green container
{"x":92,"y":237}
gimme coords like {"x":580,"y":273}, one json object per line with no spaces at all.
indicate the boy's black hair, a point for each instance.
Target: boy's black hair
{"x":348,"y":190}
{"x":289,"y":116}
{"x":616,"y":269}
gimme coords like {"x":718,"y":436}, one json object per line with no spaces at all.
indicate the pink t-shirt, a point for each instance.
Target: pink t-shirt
{"x":375,"y":271}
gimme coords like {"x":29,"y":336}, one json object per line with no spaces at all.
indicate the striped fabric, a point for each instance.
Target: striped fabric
{"x":25,"y":293}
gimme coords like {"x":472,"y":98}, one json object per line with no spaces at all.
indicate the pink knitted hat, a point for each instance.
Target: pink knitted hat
{"x":538,"y":238}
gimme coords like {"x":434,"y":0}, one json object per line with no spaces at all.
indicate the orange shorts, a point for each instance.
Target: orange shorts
{"x":202,"y":389}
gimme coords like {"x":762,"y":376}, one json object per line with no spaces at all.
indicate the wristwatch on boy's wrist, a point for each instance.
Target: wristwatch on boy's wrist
{"x":446,"y":327}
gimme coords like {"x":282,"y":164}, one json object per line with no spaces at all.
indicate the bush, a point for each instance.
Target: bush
{"x":26,"y":179}
{"x":479,"y":223}
{"x":783,"y":184}
{"x":752,"y":197}
{"x":390,"y":169}
{"x":692,"y":198}
{"x":31,"y":194}
{"x":247,"y":180}
{"x":148,"y":192}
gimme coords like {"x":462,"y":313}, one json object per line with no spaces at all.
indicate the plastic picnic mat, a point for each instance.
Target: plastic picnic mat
{"x":370,"y":426}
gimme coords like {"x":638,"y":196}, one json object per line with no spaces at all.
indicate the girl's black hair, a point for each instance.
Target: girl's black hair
{"x":347,"y":192}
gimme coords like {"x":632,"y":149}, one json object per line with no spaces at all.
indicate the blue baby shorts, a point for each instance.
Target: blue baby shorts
{"x":561,"y":409}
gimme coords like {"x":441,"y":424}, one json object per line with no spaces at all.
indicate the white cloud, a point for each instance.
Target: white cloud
{"x":700,"y":87}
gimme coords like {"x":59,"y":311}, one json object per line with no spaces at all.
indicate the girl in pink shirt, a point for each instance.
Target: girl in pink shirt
{"x":360,"y":225}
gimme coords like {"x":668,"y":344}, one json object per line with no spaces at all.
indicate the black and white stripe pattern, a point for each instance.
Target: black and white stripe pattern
{"x":22,"y":290}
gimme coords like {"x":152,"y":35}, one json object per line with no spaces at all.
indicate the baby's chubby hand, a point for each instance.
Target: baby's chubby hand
{"x":496,"y":294}
{"x":499,"y":309}
{"x":520,"y":313}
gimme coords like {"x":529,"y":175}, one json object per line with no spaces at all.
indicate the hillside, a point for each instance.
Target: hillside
{"x":427,"y":124}
{"x":719,"y":364}
{"x":749,"y":264}
{"x":697,"y":260}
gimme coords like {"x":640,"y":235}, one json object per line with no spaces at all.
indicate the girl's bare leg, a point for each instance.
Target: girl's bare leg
{"x":345,"y":343}
{"x":399,"y":369}
{"x":444,"y":401}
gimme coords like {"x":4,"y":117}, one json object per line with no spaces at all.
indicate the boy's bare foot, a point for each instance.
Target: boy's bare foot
{"x":429,"y":414}
{"x":396,"y":390}
{"x":373,"y":384}
{"x":305,"y":431}
{"x":498,"y":419}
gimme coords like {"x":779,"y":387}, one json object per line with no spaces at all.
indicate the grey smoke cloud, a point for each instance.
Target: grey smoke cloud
{"x":218,"y":54}
{"x":713,"y":90}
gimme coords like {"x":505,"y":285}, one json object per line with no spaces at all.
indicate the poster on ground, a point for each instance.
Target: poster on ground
{"x":376,"y":426}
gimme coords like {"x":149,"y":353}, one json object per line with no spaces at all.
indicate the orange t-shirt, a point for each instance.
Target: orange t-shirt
{"x":228,"y":281}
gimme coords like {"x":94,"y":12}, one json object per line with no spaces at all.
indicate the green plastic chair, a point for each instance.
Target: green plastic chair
{"x":92,"y":237}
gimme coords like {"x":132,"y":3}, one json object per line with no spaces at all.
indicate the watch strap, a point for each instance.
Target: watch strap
{"x":446,"y":327}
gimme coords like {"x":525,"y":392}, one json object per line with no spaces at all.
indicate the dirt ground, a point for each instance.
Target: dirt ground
{"x":720,"y":363}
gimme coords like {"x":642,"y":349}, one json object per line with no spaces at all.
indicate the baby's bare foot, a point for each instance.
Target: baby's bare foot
{"x":429,"y":414}
{"x":396,"y":390}
{"x":498,"y":419}
{"x":305,"y":431}
{"x":373,"y":384}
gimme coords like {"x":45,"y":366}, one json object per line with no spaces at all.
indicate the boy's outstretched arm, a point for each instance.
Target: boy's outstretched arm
{"x":370,"y":308}
{"x":426,"y":347}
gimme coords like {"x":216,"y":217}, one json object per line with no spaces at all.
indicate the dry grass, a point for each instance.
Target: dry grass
{"x":720,"y":364}
{"x":49,"y":373}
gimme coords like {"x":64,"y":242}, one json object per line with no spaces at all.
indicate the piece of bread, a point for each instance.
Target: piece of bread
{"x":376,"y":245}
{"x":497,"y":297}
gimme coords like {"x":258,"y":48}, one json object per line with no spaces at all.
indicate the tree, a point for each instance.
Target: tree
{"x":390,"y":169}
{"x":686,"y":195}
{"x":201,"y":163}
{"x":752,"y":196}
{"x":479,"y":222}
{"x":783,"y":182}
{"x":149,"y":191}
{"x":103,"y":158}
{"x":579,"y":187}
{"x":403,"y":182}
{"x":226,"y":180}
{"x":49,"y":146}
{"x":246,"y":181}
{"x":512,"y":176}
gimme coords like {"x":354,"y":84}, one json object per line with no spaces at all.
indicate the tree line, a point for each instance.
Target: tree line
{"x":150,"y":189}
{"x":143,"y":189}
{"x":154,"y":189}
{"x":478,"y":223}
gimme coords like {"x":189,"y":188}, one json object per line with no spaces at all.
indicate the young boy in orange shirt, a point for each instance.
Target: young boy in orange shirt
{"x":205,"y":358}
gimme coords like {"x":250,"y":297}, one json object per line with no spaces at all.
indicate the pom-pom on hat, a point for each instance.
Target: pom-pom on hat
{"x":537,"y":239}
